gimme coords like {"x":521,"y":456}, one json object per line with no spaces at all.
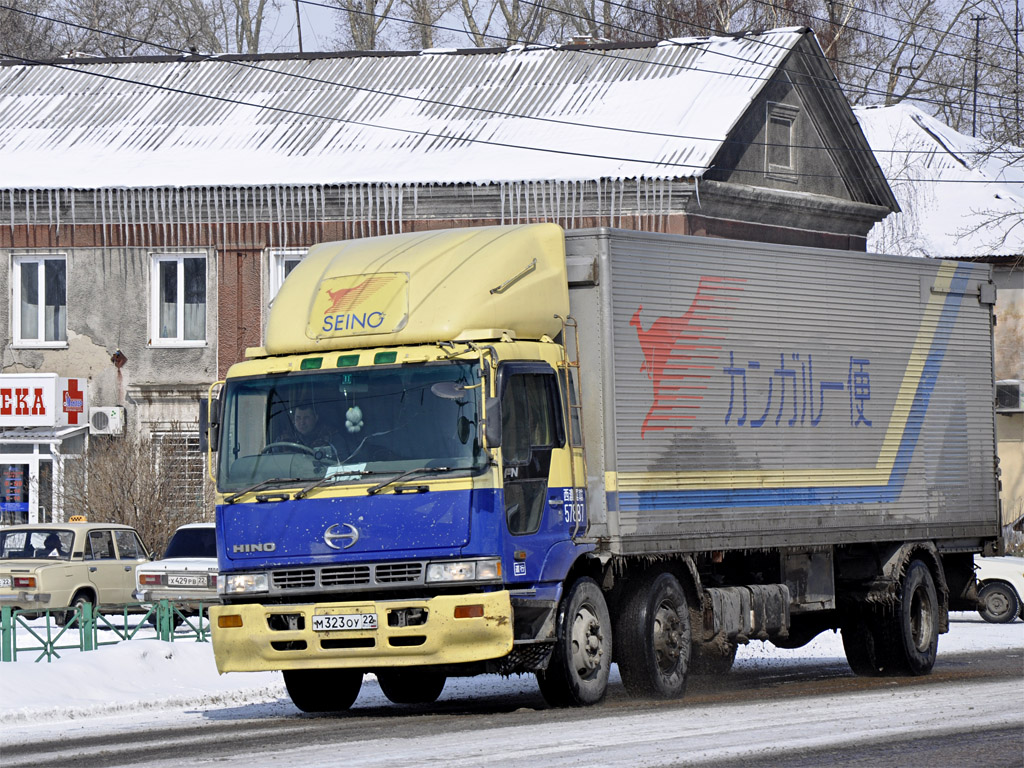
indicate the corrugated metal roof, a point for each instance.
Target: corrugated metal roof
{"x":655,"y":111}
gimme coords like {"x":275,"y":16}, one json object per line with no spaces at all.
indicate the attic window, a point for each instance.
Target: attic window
{"x":780,"y":154}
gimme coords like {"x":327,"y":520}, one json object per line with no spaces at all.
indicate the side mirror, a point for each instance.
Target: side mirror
{"x":209,"y":424}
{"x":492,"y":407}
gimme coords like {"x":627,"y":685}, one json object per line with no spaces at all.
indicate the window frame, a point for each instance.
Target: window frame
{"x":777,"y":112}
{"x":18,"y":341}
{"x":277,"y":259}
{"x":156,"y":260}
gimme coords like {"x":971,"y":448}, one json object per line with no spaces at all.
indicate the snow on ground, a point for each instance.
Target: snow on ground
{"x":160,"y":677}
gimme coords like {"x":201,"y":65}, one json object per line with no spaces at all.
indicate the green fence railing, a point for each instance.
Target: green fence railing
{"x":88,"y":628}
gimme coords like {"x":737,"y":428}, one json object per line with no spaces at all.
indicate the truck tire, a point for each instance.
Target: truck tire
{"x":918,"y":628}
{"x":323,"y":690}
{"x":653,"y":638}
{"x":411,"y":685}
{"x":577,"y":674}
{"x":999,"y":603}
{"x":902,"y":640}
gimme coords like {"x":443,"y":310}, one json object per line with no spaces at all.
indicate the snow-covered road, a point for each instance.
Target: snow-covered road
{"x":145,"y":685}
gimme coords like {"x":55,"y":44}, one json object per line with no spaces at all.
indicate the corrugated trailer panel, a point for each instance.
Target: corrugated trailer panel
{"x":764,"y":396}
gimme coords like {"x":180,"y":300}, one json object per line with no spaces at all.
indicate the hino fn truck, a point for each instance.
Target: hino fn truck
{"x":546,"y":452}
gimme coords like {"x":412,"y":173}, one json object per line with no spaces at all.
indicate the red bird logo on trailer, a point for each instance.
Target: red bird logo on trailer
{"x":679,"y":355}
{"x":343,"y":299}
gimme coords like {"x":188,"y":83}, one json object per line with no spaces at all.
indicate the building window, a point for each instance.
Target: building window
{"x":780,"y":154}
{"x":40,"y":300}
{"x":282,"y":262}
{"x":180,"y":459}
{"x":179,"y":299}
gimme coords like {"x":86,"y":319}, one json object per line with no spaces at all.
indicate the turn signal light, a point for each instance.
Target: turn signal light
{"x":469,"y":611}
{"x":230,"y":621}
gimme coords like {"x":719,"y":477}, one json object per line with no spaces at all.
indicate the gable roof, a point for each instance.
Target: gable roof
{"x":525,"y":113}
{"x":959,"y":198}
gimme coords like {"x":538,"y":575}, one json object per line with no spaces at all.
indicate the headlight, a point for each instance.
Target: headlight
{"x":238,"y":583}
{"x":464,"y":570}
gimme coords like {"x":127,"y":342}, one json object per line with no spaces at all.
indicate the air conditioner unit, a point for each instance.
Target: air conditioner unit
{"x":1009,"y":396}
{"x":106,"y":420}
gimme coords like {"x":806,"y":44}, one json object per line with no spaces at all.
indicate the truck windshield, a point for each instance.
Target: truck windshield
{"x":362,"y":421}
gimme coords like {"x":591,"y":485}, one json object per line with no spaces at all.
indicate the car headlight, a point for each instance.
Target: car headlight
{"x":240,"y":583}
{"x":464,"y":570}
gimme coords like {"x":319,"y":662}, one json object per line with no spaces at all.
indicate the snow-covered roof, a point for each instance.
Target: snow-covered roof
{"x":525,"y":113}
{"x":959,"y":195}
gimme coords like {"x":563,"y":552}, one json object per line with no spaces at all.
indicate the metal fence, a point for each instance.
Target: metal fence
{"x":88,"y":628}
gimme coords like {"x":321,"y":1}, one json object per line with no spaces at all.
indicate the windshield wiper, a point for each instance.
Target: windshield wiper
{"x":375,"y":489}
{"x":336,"y":477}
{"x":261,"y":484}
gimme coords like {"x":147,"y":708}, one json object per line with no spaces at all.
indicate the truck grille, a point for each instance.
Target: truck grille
{"x":366,"y":576}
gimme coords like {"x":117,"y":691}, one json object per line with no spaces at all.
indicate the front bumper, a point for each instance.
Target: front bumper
{"x":273,"y":637}
{"x":183,"y":597}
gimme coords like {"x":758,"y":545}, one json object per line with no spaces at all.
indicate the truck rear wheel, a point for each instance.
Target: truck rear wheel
{"x":323,"y":690}
{"x":577,"y":674}
{"x":918,"y":627}
{"x":900,"y":641}
{"x":653,"y":638}
{"x":411,"y":685}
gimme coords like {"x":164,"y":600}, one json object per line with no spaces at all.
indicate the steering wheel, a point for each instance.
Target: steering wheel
{"x":272,"y":447}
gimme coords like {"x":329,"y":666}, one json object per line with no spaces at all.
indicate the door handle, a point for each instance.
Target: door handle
{"x":92,"y":569}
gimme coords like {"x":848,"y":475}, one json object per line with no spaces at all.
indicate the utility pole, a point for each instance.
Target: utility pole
{"x":298,"y":24}
{"x":977,"y":36}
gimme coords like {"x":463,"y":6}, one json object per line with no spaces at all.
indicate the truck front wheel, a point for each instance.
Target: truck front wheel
{"x":323,"y":690}
{"x":412,"y":685}
{"x":577,"y":674}
{"x":653,"y":638}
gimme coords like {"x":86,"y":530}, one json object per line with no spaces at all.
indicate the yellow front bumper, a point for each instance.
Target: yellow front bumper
{"x":253,"y":637}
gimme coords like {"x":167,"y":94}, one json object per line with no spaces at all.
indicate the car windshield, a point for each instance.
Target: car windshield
{"x":192,"y":542}
{"x":346,"y":423}
{"x":38,"y":543}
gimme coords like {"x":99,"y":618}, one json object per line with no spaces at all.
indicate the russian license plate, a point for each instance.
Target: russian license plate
{"x":5,"y":582}
{"x":181,"y":580}
{"x":340,"y":622}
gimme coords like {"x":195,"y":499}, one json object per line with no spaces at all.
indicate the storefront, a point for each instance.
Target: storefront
{"x":43,"y":426}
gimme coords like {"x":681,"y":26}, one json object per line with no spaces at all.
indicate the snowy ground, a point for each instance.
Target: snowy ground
{"x":166,"y":678}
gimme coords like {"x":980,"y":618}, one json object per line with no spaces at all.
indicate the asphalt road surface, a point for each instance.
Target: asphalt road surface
{"x":968,"y":712}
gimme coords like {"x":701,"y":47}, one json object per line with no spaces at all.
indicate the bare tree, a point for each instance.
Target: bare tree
{"x":38,"y":29}
{"x":362,"y":24}
{"x":25,"y":31}
{"x":139,"y":482}
{"x":424,"y":17}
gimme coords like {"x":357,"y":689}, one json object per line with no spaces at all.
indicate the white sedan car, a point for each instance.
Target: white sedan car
{"x":1000,"y":587}
{"x":187,"y":573}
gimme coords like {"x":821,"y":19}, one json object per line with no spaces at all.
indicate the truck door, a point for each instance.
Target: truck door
{"x":533,"y":444}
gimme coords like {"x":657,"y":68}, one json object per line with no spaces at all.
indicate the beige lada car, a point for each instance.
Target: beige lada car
{"x":63,"y":565}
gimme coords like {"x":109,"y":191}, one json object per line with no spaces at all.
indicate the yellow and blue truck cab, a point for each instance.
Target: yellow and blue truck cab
{"x":394,"y":532}
{"x":779,"y":441}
